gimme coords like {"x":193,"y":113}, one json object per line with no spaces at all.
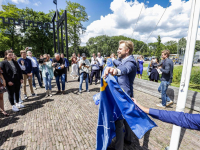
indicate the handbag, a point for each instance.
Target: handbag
{"x":84,"y":76}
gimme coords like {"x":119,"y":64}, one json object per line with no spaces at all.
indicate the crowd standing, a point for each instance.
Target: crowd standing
{"x":15,"y":73}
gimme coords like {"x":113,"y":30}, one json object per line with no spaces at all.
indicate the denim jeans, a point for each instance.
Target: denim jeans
{"x":163,"y":90}
{"x":47,"y":81}
{"x":62,"y":80}
{"x":35,"y":71}
{"x":81,"y":81}
{"x":19,"y":97}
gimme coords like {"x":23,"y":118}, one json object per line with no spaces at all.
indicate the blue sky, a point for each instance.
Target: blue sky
{"x":94,"y":8}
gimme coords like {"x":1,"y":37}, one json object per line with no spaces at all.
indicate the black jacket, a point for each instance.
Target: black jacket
{"x":167,"y":70}
{"x":8,"y":71}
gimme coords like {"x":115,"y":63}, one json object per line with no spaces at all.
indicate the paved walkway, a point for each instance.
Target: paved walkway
{"x":69,"y":122}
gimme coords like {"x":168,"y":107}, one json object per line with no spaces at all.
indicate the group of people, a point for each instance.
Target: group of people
{"x":14,"y":72}
{"x":83,"y":69}
{"x":126,"y":70}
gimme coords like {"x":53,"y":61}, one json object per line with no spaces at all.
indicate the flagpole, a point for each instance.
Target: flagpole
{"x":187,"y":67}
{"x":56,"y":13}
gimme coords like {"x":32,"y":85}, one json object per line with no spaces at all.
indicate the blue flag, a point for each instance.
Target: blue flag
{"x":115,"y":104}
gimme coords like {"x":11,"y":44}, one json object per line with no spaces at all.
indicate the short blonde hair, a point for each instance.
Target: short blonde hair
{"x":128,"y":44}
{"x":166,"y":52}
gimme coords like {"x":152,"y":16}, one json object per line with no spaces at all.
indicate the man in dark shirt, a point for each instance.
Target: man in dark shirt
{"x":26,"y":73}
{"x":66,"y":65}
{"x":59,"y":71}
{"x":166,"y":79}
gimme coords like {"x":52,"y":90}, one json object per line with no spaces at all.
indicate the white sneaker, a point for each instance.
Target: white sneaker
{"x":19,"y":105}
{"x":169,"y":103}
{"x":80,"y":91}
{"x":50,"y":94}
{"x":98,"y":81}
{"x":14,"y":108}
{"x":35,"y":88}
{"x":160,"y":105}
{"x":20,"y":101}
{"x":88,"y":91}
{"x":47,"y":93}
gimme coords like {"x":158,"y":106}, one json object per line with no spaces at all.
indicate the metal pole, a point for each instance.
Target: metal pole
{"x":58,"y":40}
{"x":54,"y":37}
{"x":62,"y":44}
{"x":66,"y":36}
{"x":187,"y":67}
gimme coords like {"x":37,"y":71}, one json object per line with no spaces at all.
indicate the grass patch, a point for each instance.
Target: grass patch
{"x":145,"y":64}
{"x":194,"y":78}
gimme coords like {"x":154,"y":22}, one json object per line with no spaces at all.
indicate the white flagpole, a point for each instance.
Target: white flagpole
{"x":187,"y":67}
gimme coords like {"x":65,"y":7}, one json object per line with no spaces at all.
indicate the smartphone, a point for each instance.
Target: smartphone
{"x":29,"y":47}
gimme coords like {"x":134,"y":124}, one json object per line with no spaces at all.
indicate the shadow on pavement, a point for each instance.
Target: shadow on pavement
{"x":20,"y":148}
{"x":7,"y":134}
{"x":8,"y":120}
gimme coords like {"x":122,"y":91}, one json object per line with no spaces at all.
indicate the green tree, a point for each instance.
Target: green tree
{"x":9,"y":31}
{"x":158,"y":48}
{"x":76,"y":14}
{"x":172,"y":46}
{"x":181,"y":45}
{"x":197,"y":46}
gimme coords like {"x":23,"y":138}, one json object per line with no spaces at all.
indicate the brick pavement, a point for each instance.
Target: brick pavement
{"x":68,"y":122}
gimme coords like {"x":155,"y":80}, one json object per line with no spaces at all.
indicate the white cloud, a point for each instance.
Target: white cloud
{"x":122,"y":20}
{"x":20,"y":1}
{"x":37,"y":3}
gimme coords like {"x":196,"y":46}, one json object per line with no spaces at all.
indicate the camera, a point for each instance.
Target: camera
{"x":83,"y":64}
{"x":41,"y":61}
{"x":57,"y":65}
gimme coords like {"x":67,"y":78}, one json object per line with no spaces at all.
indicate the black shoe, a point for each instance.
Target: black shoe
{"x":127,"y":142}
{"x":42,"y":86}
{"x":33,"y":94}
{"x":95,"y":83}
{"x":110,"y":148}
{"x":90,"y":83}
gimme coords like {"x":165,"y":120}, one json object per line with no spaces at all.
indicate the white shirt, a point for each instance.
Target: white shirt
{"x":33,"y":61}
{"x":84,"y":69}
{"x":100,"y":59}
{"x":79,"y":58}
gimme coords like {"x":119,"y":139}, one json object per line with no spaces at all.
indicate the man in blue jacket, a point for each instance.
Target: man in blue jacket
{"x":35,"y":70}
{"x":126,"y":71}
{"x":27,"y":74}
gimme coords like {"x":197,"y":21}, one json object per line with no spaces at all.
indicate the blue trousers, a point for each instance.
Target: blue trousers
{"x":81,"y":81}
{"x":62,"y":80}
{"x":47,"y":81}
{"x":163,"y":90}
{"x":35,"y":71}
